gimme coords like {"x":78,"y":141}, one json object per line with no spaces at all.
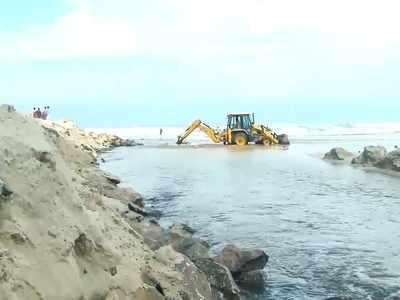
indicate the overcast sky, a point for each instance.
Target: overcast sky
{"x":169,"y":61}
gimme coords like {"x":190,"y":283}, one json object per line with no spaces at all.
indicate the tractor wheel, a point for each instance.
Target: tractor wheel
{"x":267,"y":142}
{"x":240,"y":139}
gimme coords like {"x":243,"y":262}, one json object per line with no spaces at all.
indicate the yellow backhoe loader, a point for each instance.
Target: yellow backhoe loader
{"x":240,"y":130}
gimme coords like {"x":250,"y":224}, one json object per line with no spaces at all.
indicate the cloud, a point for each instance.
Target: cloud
{"x":208,"y":29}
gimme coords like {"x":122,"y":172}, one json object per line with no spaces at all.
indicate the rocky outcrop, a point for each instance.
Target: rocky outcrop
{"x":390,"y":162}
{"x":253,"y":280}
{"x":370,"y":156}
{"x":242,"y":260}
{"x":339,"y":154}
{"x":181,"y":231}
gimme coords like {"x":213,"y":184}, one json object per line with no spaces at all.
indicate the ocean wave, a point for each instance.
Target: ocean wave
{"x":293,"y":130}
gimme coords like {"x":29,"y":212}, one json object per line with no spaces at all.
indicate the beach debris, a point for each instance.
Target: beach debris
{"x":370,"y":156}
{"x":338,"y":153}
{"x":148,"y":293}
{"x":242,"y":260}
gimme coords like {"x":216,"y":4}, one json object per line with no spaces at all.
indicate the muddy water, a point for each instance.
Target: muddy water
{"x":329,"y":229}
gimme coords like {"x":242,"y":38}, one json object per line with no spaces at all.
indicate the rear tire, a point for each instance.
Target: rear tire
{"x":240,"y":139}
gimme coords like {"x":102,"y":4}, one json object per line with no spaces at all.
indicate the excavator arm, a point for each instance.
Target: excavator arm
{"x":268,"y":135}
{"x":213,"y":134}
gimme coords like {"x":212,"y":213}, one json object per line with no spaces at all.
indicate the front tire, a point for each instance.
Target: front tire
{"x":240,"y":139}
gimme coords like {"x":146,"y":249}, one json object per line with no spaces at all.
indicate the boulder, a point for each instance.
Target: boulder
{"x":370,"y":156}
{"x":338,"y":154}
{"x":219,"y":277}
{"x":283,"y":139}
{"x":195,"y":284}
{"x":254,"y":280}
{"x":115,"y":180}
{"x":125,"y":194}
{"x":192,"y":248}
{"x":153,"y":234}
{"x":137,"y":209}
{"x":5,"y":191}
{"x":83,"y":246}
{"x":242,"y":260}
{"x":180,"y":231}
{"x":391,"y":161}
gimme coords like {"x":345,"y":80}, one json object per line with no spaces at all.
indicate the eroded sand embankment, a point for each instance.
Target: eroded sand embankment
{"x":65,"y":230}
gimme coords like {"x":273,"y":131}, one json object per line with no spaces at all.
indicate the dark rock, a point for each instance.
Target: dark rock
{"x":129,"y":143}
{"x":283,"y":139}
{"x":180,"y":231}
{"x":391,"y":161}
{"x":338,"y":154}
{"x":219,"y":277}
{"x":46,"y":158}
{"x":18,"y":238}
{"x":5,"y":191}
{"x":242,"y":260}
{"x":137,"y":209}
{"x":192,"y":248}
{"x":83,"y":246}
{"x":254,"y":280}
{"x":115,"y":180}
{"x":370,"y":156}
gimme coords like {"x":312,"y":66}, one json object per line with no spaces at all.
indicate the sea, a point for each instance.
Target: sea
{"x":330,"y":229}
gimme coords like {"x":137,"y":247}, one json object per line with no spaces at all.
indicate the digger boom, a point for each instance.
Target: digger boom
{"x":213,"y":134}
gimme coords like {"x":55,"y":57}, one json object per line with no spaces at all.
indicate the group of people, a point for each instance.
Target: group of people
{"x":41,"y":114}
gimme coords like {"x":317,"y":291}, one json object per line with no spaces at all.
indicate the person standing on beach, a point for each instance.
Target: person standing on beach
{"x":34,"y":113}
{"x":38,"y":113}
{"x":161,"y":132}
{"x":45,"y":113}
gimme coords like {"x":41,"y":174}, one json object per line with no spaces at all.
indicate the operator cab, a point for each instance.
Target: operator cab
{"x":242,"y":121}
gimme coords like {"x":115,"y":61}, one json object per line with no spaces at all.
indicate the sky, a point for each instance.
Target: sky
{"x":114,"y":63}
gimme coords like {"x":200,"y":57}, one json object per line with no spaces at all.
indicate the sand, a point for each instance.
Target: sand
{"x":61,"y":237}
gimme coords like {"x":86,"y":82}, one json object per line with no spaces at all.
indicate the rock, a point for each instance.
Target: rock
{"x":195,"y":282}
{"x":115,"y":180}
{"x":370,"y":156}
{"x":219,"y":277}
{"x":192,"y":248}
{"x":148,"y":293}
{"x":338,"y":154}
{"x":153,"y":235}
{"x":129,"y":143}
{"x":253,"y":280}
{"x":137,"y":209}
{"x":83,"y":246}
{"x":5,"y":191}
{"x":180,"y":231}
{"x":391,"y":161}
{"x":126,"y":195}
{"x":283,"y":139}
{"x":242,"y":260}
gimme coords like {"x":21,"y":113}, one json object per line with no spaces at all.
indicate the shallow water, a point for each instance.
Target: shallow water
{"x":329,"y":229}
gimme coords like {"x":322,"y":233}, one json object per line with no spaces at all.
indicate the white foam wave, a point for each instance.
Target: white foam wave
{"x":294,"y":131}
